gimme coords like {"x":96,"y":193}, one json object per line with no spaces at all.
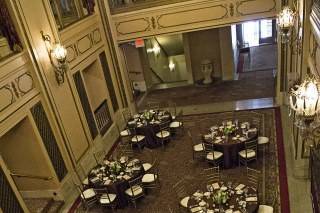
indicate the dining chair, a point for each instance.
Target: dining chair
{"x":176,"y":126}
{"x":164,"y":135}
{"x":253,"y":177}
{"x":197,"y":148}
{"x":250,"y":153}
{"x":135,"y":190}
{"x":212,"y":156}
{"x":137,"y":139}
{"x":126,"y":114}
{"x":212,"y":175}
{"x":264,"y":141}
{"x":106,"y":199}
{"x":147,"y":166}
{"x":88,"y":197}
{"x":151,"y":179}
{"x":264,"y":208}
{"x":181,"y":193}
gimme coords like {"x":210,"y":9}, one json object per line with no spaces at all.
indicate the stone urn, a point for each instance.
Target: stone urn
{"x":206,"y":69}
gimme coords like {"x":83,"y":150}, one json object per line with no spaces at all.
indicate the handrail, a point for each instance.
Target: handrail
{"x":156,"y":74}
{"x":31,"y":176}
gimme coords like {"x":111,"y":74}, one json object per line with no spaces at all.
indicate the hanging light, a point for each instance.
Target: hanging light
{"x":304,"y":100}
{"x":285,"y":22}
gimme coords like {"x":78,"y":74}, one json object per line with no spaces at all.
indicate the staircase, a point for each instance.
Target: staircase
{"x":43,"y":205}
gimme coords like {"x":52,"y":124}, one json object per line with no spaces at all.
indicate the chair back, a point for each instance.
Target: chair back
{"x":135,"y":182}
{"x":208,"y":147}
{"x":164,"y":125}
{"x":180,"y":189}
{"x":253,"y":145}
{"x":212,"y":175}
{"x":103,"y":191}
{"x":253,"y":177}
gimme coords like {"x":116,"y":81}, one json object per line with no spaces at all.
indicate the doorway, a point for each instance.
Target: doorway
{"x":259,"y":32}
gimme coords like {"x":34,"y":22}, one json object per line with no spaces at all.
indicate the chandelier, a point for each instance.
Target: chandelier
{"x":304,"y":100}
{"x":285,"y":22}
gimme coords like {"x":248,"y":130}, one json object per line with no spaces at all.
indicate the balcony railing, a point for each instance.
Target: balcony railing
{"x":121,"y":6}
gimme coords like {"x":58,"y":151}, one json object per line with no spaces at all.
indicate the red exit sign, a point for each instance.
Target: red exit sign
{"x":139,"y":42}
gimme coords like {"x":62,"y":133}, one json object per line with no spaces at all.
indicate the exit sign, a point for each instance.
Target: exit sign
{"x":139,"y":42}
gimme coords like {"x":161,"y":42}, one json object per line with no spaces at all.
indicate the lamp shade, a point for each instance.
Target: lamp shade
{"x":286,"y":18}
{"x":59,"y":52}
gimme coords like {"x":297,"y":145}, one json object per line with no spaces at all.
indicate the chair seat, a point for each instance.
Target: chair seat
{"x":88,"y":193}
{"x":198,"y":147}
{"x":146,"y":166}
{"x":149,"y":178}
{"x":184,"y":202}
{"x":217,"y":155}
{"x":250,"y":153}
{"x":125,"y":133}
{"x":175,"y":124}
{"x":163,"y":134}
{"x":263,"y":140}
{"x":85,"y":182}
{"x":137,"y":138}
{"x":137,"y":190}
{"x":265,"y":209}
{"x":104,"y":198}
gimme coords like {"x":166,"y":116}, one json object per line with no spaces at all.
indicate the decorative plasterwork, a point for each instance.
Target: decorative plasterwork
{"x":314,"y":41}
{"x":14,"y":89}
{"x":249,"y":7}
{"x":191,"y":15}
{"x":82,"y":45}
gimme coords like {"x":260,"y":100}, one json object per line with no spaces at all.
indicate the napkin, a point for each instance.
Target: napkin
{"x":94,"y":180}
{"x":252,"y":199}
{"x":228,"y":211}
{"x":240,"y":187}
{"x":237,"y":211}
{"x":215,"y":186}
{"x":242,"y":139}
{"x":252,"y":130}
{"x":197,"y":194}
{"x":126,"y":177}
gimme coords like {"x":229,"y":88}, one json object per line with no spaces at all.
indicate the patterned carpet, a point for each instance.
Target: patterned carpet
{"x":176,"y":162}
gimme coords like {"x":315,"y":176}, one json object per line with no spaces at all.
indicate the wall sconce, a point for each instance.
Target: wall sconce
{"x":156,"y":49}
{"x":285,"y":22}
{"x":304,"y":100}
{"x":58,"y":57}
{"x":172,"y":66}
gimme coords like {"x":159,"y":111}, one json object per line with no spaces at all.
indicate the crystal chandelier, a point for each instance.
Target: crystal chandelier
{"x":304,"y":100}
{"x":285,"y":22}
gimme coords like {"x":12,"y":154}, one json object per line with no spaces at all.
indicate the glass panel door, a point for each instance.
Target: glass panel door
{"x":266,"y":31}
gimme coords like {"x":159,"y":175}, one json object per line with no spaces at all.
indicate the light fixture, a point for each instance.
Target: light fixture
{"x":58,"y":57}
{"x":155,"y":49}
{"x":304,"y":100}
{"x":285,"y":22}
{"x":172,"y":66}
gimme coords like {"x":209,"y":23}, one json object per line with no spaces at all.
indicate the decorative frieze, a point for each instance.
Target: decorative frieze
{"x":14,"y":89}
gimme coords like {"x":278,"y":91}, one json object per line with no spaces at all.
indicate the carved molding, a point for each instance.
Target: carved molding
{"x":216,"y":12}
{"x":252,"y":7}
{"x":138,"y":25}
{"x":14,"y":89}
{"x":80,"y":46}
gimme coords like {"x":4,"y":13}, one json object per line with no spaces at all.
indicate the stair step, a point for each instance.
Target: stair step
{"x":43,"y":205}
{"x":37,"y":205}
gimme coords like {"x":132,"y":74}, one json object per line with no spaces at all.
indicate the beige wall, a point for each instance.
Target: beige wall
{"x":204,"y":45}
{"x":227,"y":55}
{"x":23,"y":153}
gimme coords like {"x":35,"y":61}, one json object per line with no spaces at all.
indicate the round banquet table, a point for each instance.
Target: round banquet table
{"x":231,"y":145}
{"x":149,"y":128}
{"x":247,"y":195}
{"x":118,"y":186}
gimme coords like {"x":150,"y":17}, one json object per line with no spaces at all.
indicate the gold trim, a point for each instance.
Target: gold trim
{"x":192,"y":22}
{"x":133,"y":20}
{"x":7,"y":87}
{"x":246,"y":1}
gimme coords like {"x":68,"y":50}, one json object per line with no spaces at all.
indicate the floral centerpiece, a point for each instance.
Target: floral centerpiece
{"x":229,"y":130}
{"x":147,"y":115}
{"x":115,"y":168}
{"x":220,"y":197}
